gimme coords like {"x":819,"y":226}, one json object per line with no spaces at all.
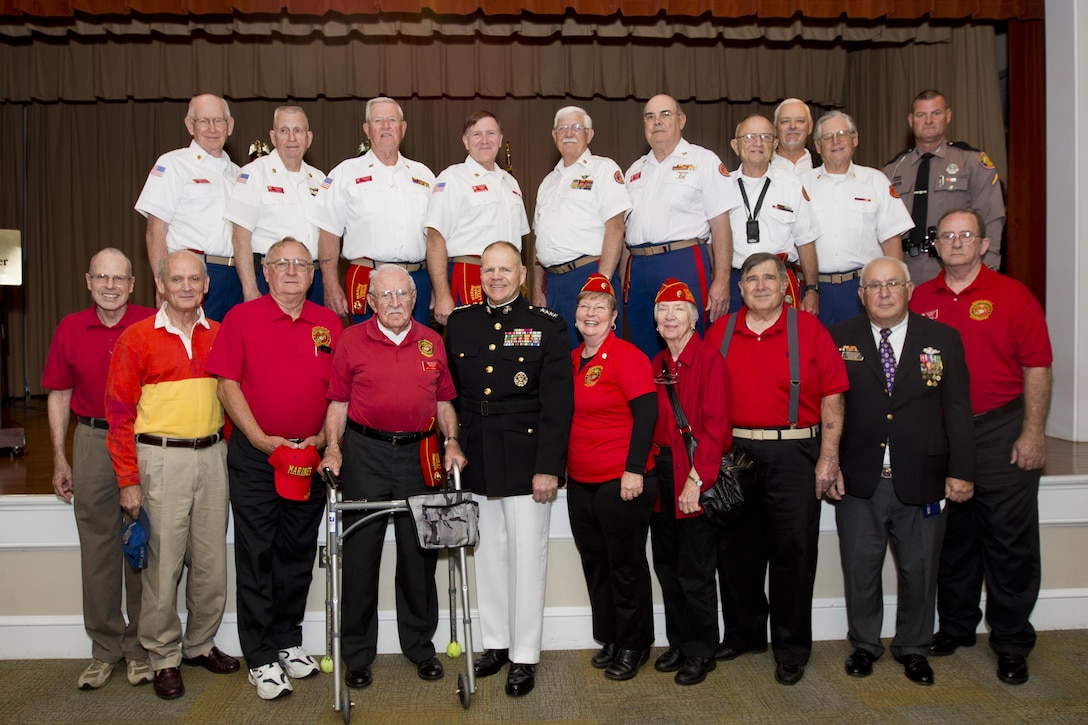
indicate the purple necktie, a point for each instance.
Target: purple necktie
{"x":887,"y":358}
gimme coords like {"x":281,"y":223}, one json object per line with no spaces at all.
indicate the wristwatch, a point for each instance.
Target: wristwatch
{"x":814,"y":287}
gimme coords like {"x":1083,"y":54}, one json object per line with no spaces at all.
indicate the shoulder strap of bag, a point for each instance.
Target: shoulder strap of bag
{"x":678,"y":413}
{"x":793,"y":350}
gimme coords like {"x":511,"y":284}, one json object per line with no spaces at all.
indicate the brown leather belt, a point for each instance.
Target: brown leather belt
{"x":839,"y":277}
{"x":374,"y":264}
{"x":1013,"y":405}
{"x":98,"y":423}
{"x":572,"y":265}
{"x":466,"y":259}
{"x":397,"y":438}
{"x":194,"y":443}
{"x":651,"y":249}
{"x":777,"y":434}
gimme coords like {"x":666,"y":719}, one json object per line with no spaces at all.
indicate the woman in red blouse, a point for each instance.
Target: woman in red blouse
{"x":610,"y":491}
{"x":684,"y":542}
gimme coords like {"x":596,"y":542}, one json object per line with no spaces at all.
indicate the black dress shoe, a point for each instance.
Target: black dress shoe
{"x":520,"y":680}
{"x":168,"y":684}
{"x":726,"y":653}
{"x":916,"y":668}
{"x":216,"y":661}
{"x":860,"y":663}
{"x":1012,"y":668}
{"x":626,"y":664}
{"x":429,"y":669}
{"x":669,"y":661}
{"x":694,"y":670}
{"x":604,"y":656}
{"x":491,"y":661}
{"x":945,"y":644}
{"x":789,"y":674}
{"x":359,"y":677}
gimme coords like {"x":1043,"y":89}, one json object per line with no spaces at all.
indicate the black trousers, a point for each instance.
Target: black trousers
{"x":993,"y":536}
{"x":685,"y":553}
{"x":275,"y":543}
{"x":379,"y":471}
{"x":780,"y":529}
{"x":611,"y":537}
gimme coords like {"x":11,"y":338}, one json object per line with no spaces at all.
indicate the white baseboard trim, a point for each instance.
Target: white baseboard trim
{"x":63,"y":637}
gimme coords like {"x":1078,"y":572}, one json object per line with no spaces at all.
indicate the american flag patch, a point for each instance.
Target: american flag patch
{"x":158,"y":171}
{"x":242,"y":178}
{"x":327,"y":182}
{"x":440,"y":186}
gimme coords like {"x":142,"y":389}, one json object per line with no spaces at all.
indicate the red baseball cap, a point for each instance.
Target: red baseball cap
{"x":295,"y":468}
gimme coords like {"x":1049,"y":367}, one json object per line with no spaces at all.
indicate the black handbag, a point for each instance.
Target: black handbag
{"x":721,"y":503}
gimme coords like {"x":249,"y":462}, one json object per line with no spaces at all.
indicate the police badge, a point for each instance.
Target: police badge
{"x":931,"y":365}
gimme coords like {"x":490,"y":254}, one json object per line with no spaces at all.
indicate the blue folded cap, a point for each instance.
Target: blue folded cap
{"x":134,"y":540}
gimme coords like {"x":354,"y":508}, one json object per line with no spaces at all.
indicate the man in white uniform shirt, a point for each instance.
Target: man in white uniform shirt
{"x":184,"y":198}
{"x":774,"y":216}
{"x":474,"y":203}
{"x":793,"y":122}
{"x":270,"y":200}
{"x":860,"y":217}
{"x":579,"y":219}
{"x":376,"y":203}
{"x":678,"y":226}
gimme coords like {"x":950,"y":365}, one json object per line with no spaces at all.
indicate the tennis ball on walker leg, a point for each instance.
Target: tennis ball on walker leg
{"x":326,"y":664}
{"x":453,"y":649}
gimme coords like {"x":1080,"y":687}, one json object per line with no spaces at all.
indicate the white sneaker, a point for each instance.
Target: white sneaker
{"x":298,"y":664}
{"x":97,"y":674}
{"x":270,"y":681}
{"x":139,"y":672}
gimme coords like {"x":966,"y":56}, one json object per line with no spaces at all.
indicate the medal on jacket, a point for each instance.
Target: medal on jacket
{"x":931,"y":365}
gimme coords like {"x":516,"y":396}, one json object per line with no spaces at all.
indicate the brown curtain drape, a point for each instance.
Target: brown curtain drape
{"x":86,"y":161}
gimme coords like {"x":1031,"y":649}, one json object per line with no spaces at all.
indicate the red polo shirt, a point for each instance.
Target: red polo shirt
{"x":79,"y":357}
{"x":387,"y":386}
{"x":1003,"y":330}
{"x":283,"y":365}
{"x":600,"y":432}
{"x":759,"y":370}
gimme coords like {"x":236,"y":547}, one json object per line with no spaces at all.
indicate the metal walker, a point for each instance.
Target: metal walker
{"x":334,"y":538}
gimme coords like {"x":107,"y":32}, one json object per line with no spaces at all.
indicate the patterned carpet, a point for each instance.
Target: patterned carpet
{"x":569,"y":690}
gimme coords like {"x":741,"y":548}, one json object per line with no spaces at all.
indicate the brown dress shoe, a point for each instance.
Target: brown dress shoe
{"x":168,"y":684}
{"x":216,"y":661}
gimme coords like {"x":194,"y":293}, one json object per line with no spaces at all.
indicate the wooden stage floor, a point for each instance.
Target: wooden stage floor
{"x":32,"y":472}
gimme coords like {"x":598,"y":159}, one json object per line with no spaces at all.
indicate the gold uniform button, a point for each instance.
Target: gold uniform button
{"x":489,"y":369}
{"x":487,"y":391}
{"x":530,"y":430}
{"x":890,"y":416}
{"x":883,"y":445}
{"x":461,"y":354}
{"x":521,"y":359}
{"x":491,"y":346}
{"x":498,"y":325}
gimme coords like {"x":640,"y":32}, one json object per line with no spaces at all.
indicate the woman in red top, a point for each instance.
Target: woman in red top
{"x":684,"y":543}
{"x":610,"y":492}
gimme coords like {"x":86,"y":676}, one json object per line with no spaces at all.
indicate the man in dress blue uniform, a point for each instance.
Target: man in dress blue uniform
{"x":510,"y":362}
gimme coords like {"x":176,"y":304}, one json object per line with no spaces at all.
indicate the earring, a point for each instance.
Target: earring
{"x":613,"y":325}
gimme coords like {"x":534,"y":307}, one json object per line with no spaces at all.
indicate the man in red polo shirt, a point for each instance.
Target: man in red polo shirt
{"x":995,"y":535}
{"x":389,"y":399}
{"x":75,"y":375}
{"x":797,"y":461}
{"x":273,"y":358}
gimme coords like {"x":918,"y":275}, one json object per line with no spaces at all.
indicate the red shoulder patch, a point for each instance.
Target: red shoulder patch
{"x":618,"y":177}
{"x":892,"y":191}
{"x":804,"y":193}
{"x":722,"y":170}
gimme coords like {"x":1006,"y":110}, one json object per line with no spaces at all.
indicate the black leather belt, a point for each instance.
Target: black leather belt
{"x":99,"y":423}
{"x":194,"y":443}
{"x":397,"y":438}
{"x":487,"y":407}
{"x":1013,"y":405}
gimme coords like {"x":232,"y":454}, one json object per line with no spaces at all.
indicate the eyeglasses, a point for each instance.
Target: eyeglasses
{"x":387,"y":296}
{"x":587,"y":309}
{"x":650,"y":116}
{"x":104,"y":279}
{"x":843,"y":133}
{"x":206,"y":122}
{"x":965,"y":237}
{"x":752,"y":137}
{"x":575,"y":127}
{"x":281,"y":265}
{"x":892,"y":285}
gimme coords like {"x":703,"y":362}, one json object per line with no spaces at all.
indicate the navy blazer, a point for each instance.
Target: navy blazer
{"x":928,"y":422}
